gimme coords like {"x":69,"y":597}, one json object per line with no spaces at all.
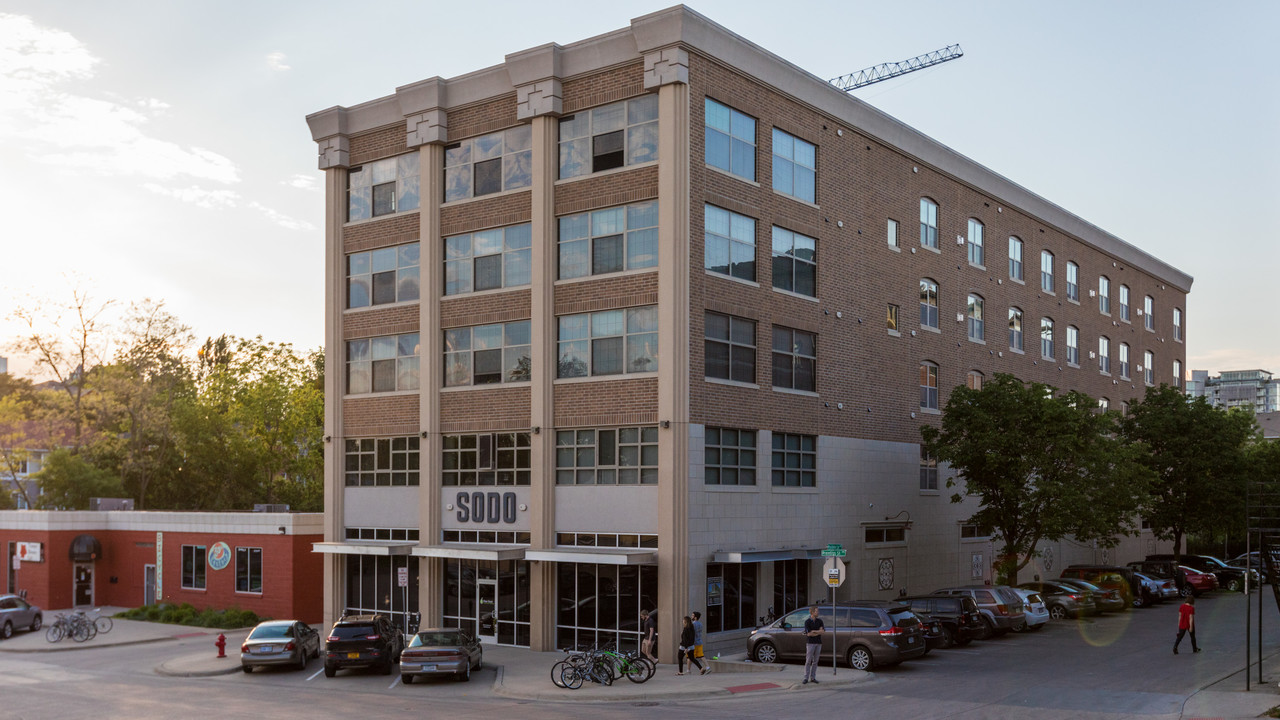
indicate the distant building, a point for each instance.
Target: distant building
{"x":1237,"y":388}
{"x":4,"y":364}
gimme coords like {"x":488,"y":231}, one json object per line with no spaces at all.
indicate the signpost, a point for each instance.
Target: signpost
{"x":833,"y":571}
{"x":402,"y":580}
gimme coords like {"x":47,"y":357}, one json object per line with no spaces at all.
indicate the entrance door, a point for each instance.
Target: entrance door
{"x":83,"y":594}
{"x":487,"y":610}
{"x":148,"y":584}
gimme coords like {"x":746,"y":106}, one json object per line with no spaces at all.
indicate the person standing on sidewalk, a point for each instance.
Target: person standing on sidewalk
{"x":686,"y":647}
{"x":813,"y":630}
{"x":649,"y":626}
{"x":1187,"y":623}
{"x":697,"y":640}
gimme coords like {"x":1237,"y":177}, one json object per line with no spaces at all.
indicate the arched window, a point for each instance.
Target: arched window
{"x":1046,"y":338}
{"x":1124,"y":360}
{"x":1104,"y":294}
{"x":928,"y":385}
{"x":928,"y":223}
{"x":1104,"y":354}
{"x":977,"y":253}
{"x":975,"y":380}
{"x":1046,"y":271}
{"x":928,"y":303}
{"x":1073,"y":281}
{"x":1015,"y":258}
{"x":977,"y":329}
{"x":1149,"y":312}
{"x":1073,"y":345}
{"x":1015,"y":329}
{"x":1149,"y":367}
{"x":1124,"y":303}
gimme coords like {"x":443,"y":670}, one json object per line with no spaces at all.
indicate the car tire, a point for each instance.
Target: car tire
{"x":1184,"y":591}
{"x":1235,"y":585}
{"x":6,"y":632}
{"x":406,"y":679}
{"x":465,"y":675}
{"x":302,"y":659}
{"x":988,"y":628}
{"x":36,"y":623}
{"x":329,"y":670}
{"x":859,"y":658}
{"x":766,"y":652}
{"x":385,"y":669}
{"x":247,"y":669}
{"x":1057,"y":612}
{"x":948,"y":638}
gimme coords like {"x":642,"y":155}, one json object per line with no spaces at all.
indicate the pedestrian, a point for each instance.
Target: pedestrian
{"x":649,"y":626}
{"x":1187,"y":624}
{"x":697,"y":639}
{"x":686,"y":647}
{"x":813,"y":630}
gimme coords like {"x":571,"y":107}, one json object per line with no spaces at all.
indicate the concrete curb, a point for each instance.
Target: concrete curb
{"x":58,"y":647}
{"x":168,"y":672}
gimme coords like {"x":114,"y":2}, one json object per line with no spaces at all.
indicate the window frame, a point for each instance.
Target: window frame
{"x":735,"y":238}
{"x":928,"y":385}
{"x":630,"y":316}
{"x":1016,"y":329}
{"x":891,"y":233}
{"x":648,"y":118}
{"x":1104,"y":294}
{"x":514,"y":162}
{"x":892,"y":318}
{"x":1124,"y":361}
{"x":1104,"y":354}
{"x":407,"y":365}
{"x":730,"y":344}
{"x":793,"y":456}
{"x":797,"y":359}
{"x":746,"y":457}
{"x":1047,"y":348}
{"x":795,"y":161}
{"x":928,"y":223}
{"x":405,"y":272}
{"x":732,"y":138}
{"x":794,"y":259}
{"x":460,"y":352}
{"x":629,"y":238}
{"x":1073,"y":345}
{"x":1015,"y":258}
{"x":381,"y":461}
{"x":195,"y":562}
{"x":1148,"y":312}
{"x":403,"y":171}
{"x":587,"y":456}
{"x":928,"y":471}
{"x":1149,"y":367}
{"x":1073,"y":281}
{"x":1046,"y":271}
{"x":1177,"y":324}
{"x":1124,"y":302}
{"x":929,"y":304}
{"x":975,"y":321}
{"x":515,"y":257}
{"x":486,"y":459}
{"x":975,"y":244}
{"x":245,"y":574}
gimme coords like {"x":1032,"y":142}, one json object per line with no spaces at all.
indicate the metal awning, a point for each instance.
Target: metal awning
{"x":365,"y":547}
{"x":85,"y":548}
{"x":759,"y":556}
{"x":600,"y":556}
{"x":472,"y":551}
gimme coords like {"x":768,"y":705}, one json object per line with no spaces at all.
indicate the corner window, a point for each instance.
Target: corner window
{"x":928,"y":471}
{"x":382,"y":364}
{"x":928,"y":303}
{"x":1073,"y":345}
{"x":977,"y":254}
{"x":1073,"y":281}
{"x":381,"y":462}
{"x":729,"y":241}
{"x":795,"y":359}
{"x":1015,"y":329}
{"x":928,"y":223}
{"x":614,"y":456}
{"x":1124,"y":303}
{"x":194,"y":561}
{"x":1177,"y":374}
{"x":928,"y":386}
{"x":1149,"y":312}
{"x":611,"y":342}
{"x":612,"y":136}
{"x":382,"y":187}
{"x":730,"y":140}
{"x":1046,"y":271}
{"x":386,"y":275}
{"x":1015,"y":258}
{"x":730,"y":456}
{"x":248,"y":570}
{"x":795,"y":262}
{"x":486,"y":460}
{"x":795,"y":460}
{"x":487,"y":354}
{"x":1046,"y":338}
{"x":1104,"y":354}
{"x":892,"y":233}
{"x":488,"y":260}
{"x":795,"y":166}
{"x":1104,"y":294}
{"x":977,"y":329}
{"x":1124,"y":361}
{"x":1149,"y":367}
{"x":730,"y":348}
{"x":609,"y":241}
{"x":1177,"y":324}
{"x":489,"y":164}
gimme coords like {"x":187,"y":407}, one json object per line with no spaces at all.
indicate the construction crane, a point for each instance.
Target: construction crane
{"x":884,"y":71}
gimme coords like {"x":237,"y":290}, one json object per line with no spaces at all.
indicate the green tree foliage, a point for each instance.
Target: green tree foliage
{"x":1041,"y":465}
{"x":68,"y":480}
{"x":1197,"y":454}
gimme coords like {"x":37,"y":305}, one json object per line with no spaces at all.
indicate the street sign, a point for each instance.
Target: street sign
{"x":833,"y":572}
{"x":833,"y":553}
{"x":402,"y":577}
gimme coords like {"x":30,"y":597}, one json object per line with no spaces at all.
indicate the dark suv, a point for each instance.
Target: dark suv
{"x":1001,"y":606}
{"x":1229,"y":577}
{"x":960,"y":618}
{"x":361,"y":641}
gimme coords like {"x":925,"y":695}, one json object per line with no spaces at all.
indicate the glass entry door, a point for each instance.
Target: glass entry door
{"x":487,"y":610}
{"x":83,"y":582}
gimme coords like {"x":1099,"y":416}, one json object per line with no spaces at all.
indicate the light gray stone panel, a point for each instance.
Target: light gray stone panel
{"x":607,"y":508}
{"x":387,"y":507}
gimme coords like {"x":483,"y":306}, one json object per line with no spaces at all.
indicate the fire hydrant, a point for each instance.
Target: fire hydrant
{"x":221,"y":642}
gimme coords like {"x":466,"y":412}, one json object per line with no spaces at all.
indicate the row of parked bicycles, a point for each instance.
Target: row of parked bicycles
{"x":79,"y":626}
{"x":600,"y":665}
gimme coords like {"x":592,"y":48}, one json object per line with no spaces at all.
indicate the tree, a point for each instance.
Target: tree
{"x":68,"y":481}
{"x":1196,"y":453}
{"x":1041,"y":465}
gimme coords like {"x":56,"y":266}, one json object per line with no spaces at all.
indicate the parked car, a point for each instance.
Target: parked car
{"x":1253,"y":561}
{"x":1112,"y":577}
{"x":1063,"y":600}
{"x":1000,"y":605}
{"x":1197,"y":583}
{"x":361,"y":641}
{"x":869,"y":632}
{"x":16,"y":614}
{"x":1231,"y":578}
{"x":441,"y":651}
{"x":934,"y":637}
{"x":1036,"y":612}
{"x":1161,"y":588}
{"x":279,"y":642}
{"x":1107,"y":599}
{"x":960,"y":618}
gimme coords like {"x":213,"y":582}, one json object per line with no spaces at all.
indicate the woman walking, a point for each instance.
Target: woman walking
{"x":686,"y":647}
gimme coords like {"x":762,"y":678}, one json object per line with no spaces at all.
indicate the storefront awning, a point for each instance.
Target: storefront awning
{"x":365,"y":547}
{"x":85,"y":548}
{"x":476,"y":551}
{"x":601,"y":556}
{"x":757,"y":556}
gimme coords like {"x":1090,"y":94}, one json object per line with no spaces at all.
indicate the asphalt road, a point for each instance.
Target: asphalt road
{"x":1109,"y":667}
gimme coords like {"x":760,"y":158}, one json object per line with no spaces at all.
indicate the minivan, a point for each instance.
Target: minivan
{"x":868,"y":633}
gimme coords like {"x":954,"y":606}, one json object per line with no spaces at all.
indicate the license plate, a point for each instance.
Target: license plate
{"x":428,"y":668}
{"x":353,"y":656}
{"x":266,"y":648}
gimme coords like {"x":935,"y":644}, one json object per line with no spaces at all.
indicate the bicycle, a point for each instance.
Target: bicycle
{"x":102,"y":623}
{"x":77,"y":626}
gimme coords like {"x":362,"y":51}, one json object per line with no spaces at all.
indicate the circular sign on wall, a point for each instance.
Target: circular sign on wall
{"x":219,"y":556}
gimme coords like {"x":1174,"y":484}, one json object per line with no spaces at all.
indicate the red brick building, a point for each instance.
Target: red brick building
{"x":255,"y":561}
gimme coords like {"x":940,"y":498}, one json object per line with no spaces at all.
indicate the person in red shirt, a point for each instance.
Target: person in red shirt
{"x":1187,"y":623}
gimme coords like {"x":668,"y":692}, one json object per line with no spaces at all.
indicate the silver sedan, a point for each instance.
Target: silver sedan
{"x":280,"y":642}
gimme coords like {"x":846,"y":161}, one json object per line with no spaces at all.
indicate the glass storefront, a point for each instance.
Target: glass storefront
{"x":488,"y":599}
{"x":731,"y":596}
{"x":372,"y":586}
{"x":601,"y":604}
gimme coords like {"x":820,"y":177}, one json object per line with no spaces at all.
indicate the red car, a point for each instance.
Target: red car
{"x":1198,"y":582}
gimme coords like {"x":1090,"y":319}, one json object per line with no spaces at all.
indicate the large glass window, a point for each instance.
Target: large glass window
{"x":1046,"y":338}
{"x":730,"y":456}
{"x":1073,"y":345}
{"x":795,"y":460}
{"x":795,"y":262}
{"x":1015,"y":258}
{"x":1148,"y":312}
{"x":730,"y":140}
{"x":795,"y":166}
{"x":615,"y":456}
{"x":795,"y":359}
{"x":610,"y":342}
{"x":382,"y":364}
{"x":371,"y":585}
{"x":601,"y":604}
{"x":730,"y":348}
{"x":382,"y":462}
{"x":730,"y":243}
{"x":487,"y":354}
{"x":487,"y":260}
{"x":977,"y":253}
{"x":1073,"y":281}
{"x":928,"y":303}
{"x":1046,"y":271}
{"x":471,"y":603}
{"x":731,"y":596}
{"x":790,"y":585}
{"x":194,"y":559}
{"x":498,"y":459}
{"x":383,"y":187}
{"x":1015,"y":329}
{"x":611,"y":136}
{"x":928,"y":223}
{"x":489,"y":164}
{"x":608,"y":241}
{"x":928,"y":386}
{"x":382,"y":276}
{"x":1124,"y":303}
{"x":977,"y":327}
{"x":1104,"y":294}
{"x":248,"y":570}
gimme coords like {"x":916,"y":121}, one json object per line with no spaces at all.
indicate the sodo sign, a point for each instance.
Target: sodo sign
{"x":486,"y":507}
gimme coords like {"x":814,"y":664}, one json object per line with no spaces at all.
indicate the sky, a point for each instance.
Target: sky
{"x":159,"y":150}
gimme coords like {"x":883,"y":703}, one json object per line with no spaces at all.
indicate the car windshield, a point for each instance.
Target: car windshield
{"x":271,"y":631}
{"x":350,"y":632}
{"x":436,"y":639}
{"x":1214,"y":562}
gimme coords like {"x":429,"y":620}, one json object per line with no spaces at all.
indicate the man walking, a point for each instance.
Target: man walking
{"x":698,"y":629}
{"x":649,"y":643}
{"x":813,"y":630}
{"x":1187,"y":623}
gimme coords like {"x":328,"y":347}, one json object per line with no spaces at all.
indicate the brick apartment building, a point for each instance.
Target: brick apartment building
{"x":650,"y":319}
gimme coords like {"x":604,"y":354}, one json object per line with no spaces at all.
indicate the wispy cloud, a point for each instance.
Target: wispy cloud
{"x":198,"y":196}
{"x":275,"y":61}
{"x":302,"y":182}
{"x":281,"y":219}
{"x":98,"y":133}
